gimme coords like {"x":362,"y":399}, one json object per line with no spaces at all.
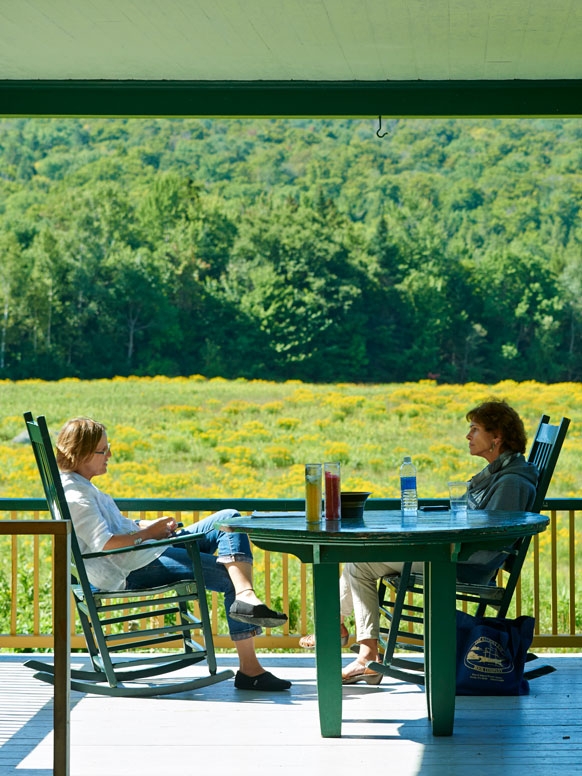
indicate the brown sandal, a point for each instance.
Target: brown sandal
{"x":366,"y":675}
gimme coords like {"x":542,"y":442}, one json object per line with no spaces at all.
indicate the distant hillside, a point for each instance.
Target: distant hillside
{"x":301,"y":248}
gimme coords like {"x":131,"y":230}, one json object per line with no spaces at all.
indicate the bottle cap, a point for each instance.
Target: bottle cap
{"x":407,"y":459}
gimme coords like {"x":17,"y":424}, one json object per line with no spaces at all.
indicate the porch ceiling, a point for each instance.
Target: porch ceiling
{"x":290,"y":57}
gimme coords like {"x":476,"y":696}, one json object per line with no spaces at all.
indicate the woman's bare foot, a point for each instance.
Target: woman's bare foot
{"x":308,"y":642}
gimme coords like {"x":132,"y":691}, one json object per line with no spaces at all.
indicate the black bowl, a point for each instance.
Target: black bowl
{"x":353,"y":503}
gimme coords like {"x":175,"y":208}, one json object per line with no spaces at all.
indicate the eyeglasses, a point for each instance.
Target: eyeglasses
{"x":103,"y":452}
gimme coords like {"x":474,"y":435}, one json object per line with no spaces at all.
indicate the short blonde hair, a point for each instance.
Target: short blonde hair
{"x":77,"y":441}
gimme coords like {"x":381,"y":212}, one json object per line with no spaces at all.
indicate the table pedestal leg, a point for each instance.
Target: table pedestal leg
{"x":440,"y":646}
{"x":328,"y":648}
{"x":427,"y":652}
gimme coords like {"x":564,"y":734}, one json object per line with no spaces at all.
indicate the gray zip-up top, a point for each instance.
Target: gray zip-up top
{"x":508,"y":483}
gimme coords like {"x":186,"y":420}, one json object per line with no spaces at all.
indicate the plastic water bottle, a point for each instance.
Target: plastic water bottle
{"x":408,"y":495}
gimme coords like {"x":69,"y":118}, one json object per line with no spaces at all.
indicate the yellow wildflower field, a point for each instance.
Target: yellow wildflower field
{"x":208,"y":438}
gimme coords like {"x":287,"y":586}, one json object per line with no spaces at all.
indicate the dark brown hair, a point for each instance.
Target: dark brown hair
{"x":498,"y":417}
{"x":77,"y":441}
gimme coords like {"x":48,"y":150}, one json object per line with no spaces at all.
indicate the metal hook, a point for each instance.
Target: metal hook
{"x":379,"y":128}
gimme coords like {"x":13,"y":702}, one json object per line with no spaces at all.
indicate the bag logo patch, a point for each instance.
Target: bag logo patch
{"x":486,"y":656}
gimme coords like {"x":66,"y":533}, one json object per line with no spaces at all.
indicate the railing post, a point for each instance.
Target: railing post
{"x":62,"y":651}
{"x":61,"y":531}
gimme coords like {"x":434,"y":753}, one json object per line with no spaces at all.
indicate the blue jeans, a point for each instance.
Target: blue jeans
{"x":174,"y":565}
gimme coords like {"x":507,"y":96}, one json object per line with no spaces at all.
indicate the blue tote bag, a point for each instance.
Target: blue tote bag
{"x":491,"y":654}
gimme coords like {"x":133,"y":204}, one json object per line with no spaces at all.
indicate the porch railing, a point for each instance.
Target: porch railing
{"x":548,"y":587}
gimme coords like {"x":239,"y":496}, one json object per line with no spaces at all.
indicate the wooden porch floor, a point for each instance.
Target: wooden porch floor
{"x":224,"y":731}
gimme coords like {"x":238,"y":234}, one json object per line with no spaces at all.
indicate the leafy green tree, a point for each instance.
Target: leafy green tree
{"x":521,"y":313}
{"x":144,"y":334}
{"x":294,"y":273}
{"x":11,"y":291}
{"x":570,"y":285}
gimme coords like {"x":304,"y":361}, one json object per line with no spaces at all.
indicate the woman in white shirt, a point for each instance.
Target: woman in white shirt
{"x":83,"y":452}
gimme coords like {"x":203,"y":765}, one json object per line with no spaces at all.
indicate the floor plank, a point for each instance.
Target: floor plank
{"x":225,"y":730}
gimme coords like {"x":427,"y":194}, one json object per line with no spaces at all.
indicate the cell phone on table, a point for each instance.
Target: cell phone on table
{"x":434,"y":508}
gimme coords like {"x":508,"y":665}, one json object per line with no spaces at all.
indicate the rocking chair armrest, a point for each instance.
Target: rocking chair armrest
{"x":183,"y":539}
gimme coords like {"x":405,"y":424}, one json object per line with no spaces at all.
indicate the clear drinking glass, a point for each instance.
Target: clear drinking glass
{"x":332,"y":491}
{"x":458,"y":498}
{"x":313,"y":494}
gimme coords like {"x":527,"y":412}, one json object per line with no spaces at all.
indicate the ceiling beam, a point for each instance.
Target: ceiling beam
{"x":340,"y":99}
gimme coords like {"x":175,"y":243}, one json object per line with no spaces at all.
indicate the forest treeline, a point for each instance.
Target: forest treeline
{"x":279,"y":249}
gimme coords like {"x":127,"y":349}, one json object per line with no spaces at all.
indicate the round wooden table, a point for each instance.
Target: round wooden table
{"x":435,"y":538}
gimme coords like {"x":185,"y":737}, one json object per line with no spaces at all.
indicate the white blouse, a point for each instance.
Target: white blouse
{"x":96,"y":518}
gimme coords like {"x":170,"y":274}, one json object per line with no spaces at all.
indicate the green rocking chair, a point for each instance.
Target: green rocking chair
{"x":140,"y":622}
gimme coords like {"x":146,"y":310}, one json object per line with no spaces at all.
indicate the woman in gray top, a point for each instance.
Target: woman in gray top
{"x":508,"y":482}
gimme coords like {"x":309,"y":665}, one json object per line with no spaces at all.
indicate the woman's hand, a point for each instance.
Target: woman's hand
{"x":162,"y":528}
